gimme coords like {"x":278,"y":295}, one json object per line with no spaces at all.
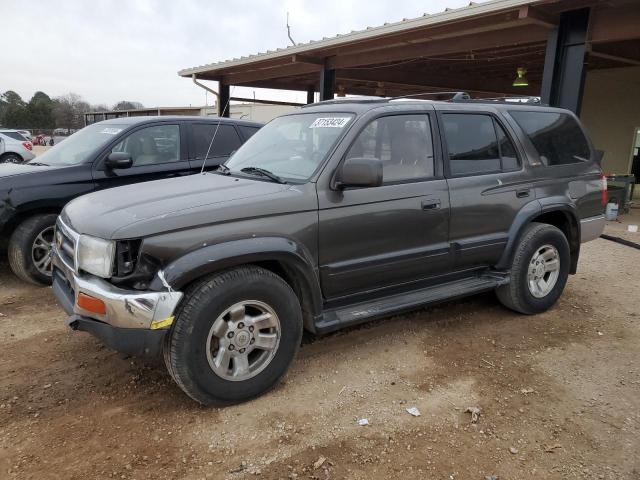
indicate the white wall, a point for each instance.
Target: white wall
{"x":255,"y":112}
{"x":611,"y":113}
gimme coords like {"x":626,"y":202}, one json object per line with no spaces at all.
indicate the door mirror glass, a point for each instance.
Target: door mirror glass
{"x":118,"y":160}
{"x":360,"y":172}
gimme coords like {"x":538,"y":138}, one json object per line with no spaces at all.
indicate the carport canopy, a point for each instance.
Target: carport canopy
{"x":477,"y":49}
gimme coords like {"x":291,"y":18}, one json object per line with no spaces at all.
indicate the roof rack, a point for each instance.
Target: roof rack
{"x":531,"y":100}
{"x":455,"y":96}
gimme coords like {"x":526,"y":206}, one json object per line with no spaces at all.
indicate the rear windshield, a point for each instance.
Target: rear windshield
{"x":557,"y":136}
{"x":14,"y":135}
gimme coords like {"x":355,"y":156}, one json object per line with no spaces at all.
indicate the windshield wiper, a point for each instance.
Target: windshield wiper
{"x":38,"y":164}
{"x":264,"y":173}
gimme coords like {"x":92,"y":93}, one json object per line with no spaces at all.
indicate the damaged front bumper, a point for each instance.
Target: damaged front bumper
{"x":132,"y":322}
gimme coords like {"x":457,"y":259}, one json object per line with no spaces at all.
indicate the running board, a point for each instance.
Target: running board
{"x":380,"y":307}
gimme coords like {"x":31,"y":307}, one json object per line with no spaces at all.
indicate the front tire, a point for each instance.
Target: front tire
{"x":30,"y":249}
{"x":539,"y":271}
{"x":234,"y":336}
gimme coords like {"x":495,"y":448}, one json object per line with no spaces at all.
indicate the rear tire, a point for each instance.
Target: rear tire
{"x":29,"y":249}
{"x":539,"y":271}
{"x":234,"y":336}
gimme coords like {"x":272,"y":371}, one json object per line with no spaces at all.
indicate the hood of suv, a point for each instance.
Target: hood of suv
{"x":141,"y":210}
{"x":13,"y":169}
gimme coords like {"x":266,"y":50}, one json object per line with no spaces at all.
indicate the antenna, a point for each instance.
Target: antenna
{"x":204,"y":161}
{"x":289,"y":31}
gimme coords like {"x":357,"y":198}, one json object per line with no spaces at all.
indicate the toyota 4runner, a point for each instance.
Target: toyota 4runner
{"x":341,"y":212}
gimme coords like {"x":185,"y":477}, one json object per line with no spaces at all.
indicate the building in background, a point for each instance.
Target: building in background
{"x":256,"y":112}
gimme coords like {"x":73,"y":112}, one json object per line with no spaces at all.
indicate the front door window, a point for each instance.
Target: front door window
{"x":152,"y":145}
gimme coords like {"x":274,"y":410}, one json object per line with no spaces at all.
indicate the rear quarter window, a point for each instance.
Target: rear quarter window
{"x":556,"y":136}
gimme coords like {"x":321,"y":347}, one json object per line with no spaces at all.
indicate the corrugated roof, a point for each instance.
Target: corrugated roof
{"x":448,"y":15}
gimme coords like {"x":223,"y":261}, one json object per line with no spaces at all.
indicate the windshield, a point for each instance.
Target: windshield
{"x":291,"y":147}
{"x":78,"y":147}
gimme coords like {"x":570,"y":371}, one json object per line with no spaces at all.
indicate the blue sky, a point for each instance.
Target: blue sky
{"x":111,"y":50}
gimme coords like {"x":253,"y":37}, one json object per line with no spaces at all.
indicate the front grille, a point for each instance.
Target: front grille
{"x":65,"y":244}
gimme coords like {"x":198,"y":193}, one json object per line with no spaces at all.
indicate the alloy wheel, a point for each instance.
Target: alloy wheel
{"x":543,"y":271}
{"x":41,"y":251}
{"x":243,"y":340}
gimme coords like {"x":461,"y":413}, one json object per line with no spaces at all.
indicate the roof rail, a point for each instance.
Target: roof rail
{"x":455,"y":96}
{"x":531,"y":100}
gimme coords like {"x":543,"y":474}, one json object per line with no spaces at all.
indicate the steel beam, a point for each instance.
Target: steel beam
{"x":327,"y":83}
{"x":223,"y":101}
{"x":564,"y":68}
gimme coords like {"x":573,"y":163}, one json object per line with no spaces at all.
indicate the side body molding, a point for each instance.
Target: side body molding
{"x":293,"y":257}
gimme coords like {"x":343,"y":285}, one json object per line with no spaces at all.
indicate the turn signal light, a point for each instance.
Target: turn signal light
{"x":91,"y":304}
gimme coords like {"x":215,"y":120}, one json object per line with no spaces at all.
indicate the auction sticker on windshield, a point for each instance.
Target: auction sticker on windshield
{"x":111,"y":131}
{"x":330,"y":122}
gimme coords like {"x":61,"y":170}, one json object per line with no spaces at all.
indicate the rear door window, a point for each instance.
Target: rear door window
{"x":225,"y":142}
{"x":477,"y":144}
{"x":248,"y":132}
{"x":556,"y":136}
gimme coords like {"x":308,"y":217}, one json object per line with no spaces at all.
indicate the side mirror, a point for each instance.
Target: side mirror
{"x":118,"y":160}
{"x":359,"y":172}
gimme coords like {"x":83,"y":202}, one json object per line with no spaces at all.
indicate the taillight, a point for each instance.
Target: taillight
{"x":27,"y":145}
{"x":604,"y":193}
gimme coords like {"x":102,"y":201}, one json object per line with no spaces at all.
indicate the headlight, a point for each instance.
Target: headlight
{"x":95,"y":255}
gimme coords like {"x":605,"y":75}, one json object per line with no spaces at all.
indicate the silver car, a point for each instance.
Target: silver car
{"x":14,"y":148}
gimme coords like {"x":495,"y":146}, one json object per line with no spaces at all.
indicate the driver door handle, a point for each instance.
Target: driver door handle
{"x":431,"y":204}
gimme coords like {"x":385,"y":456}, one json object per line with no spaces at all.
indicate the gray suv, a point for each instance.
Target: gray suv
{"x":344,"y":211}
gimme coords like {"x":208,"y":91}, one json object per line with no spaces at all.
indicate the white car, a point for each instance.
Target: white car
{"x":14,"y":147}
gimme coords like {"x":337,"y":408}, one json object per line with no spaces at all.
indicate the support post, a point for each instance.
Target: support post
{"x":327,"y":83}
{"x":223,"y":101}
{"x":310,"y":95}
{"x":564,"y":69}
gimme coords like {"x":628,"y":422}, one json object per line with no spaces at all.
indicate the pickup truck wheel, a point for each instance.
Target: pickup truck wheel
{"x":30,"y":249}
{"x":539,"y":271}
{"x":234,"y":336}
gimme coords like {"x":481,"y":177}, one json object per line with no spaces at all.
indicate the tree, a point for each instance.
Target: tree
{"x":68,"y":110}
{"x":14,"y":110}
{"x":127,"y":105}
{"x":40,"y":111}
{"x":100,"y":107}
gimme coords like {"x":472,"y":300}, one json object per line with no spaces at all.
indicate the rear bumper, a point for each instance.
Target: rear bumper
{"x":591,"y":228}
{"x":131,"y":319}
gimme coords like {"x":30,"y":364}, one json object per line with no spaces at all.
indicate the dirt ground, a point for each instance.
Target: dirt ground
{"x":559,"y":395}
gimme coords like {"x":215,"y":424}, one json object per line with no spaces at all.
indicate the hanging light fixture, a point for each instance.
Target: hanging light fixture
{"x":521,"y":80}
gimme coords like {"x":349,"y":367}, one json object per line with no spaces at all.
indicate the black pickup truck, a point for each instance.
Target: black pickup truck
{"x":103,"y":155}
{"x":341,"y":212}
